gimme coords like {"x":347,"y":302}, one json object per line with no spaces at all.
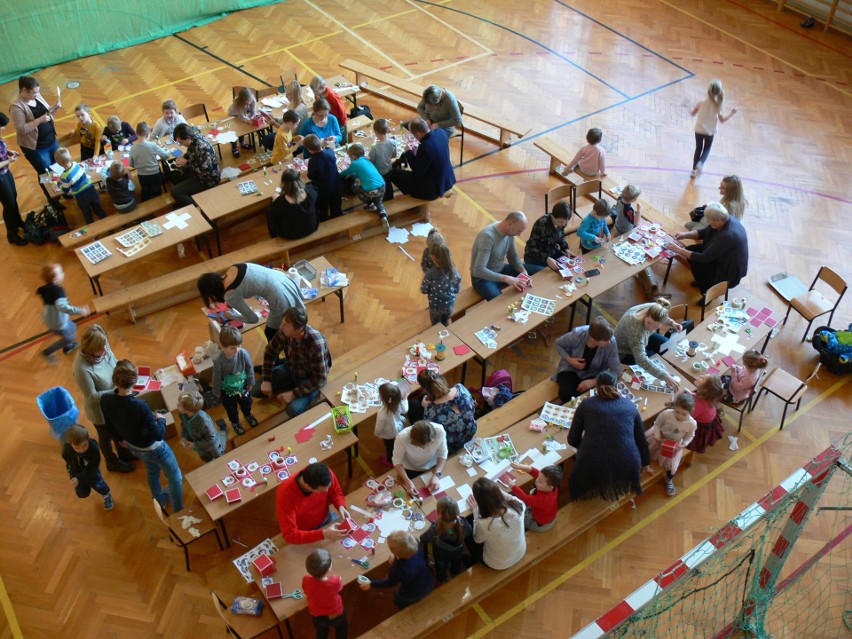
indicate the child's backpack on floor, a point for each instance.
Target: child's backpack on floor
{"x":45,"y":226}
{"x":496,"y":392}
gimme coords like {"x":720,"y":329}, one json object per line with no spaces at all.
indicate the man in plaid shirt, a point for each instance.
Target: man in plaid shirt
{"x":296,"y":381}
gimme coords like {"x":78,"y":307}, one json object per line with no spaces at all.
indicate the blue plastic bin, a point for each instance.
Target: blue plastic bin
{"x":59,"y":409}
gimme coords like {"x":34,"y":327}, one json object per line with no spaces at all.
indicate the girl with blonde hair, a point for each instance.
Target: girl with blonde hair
{"x":707,"y":114}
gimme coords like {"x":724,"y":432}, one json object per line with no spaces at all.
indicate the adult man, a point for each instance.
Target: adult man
{"x":723,"y":254}
{"x":200,"y":162}
{"x":302,"y":504}
{"x":440,"y":109}
{"x":493,"y":245}
{"x":297,"y":381}
{"x":431,"y":173}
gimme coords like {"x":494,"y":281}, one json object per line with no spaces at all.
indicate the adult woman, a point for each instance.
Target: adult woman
{"x":322,"y":124}
{"x":8,"y":192}
{"x":293,"y":214}
{"x":133,"y":424}
{"x":498,"y":525}
{"x":547,"y":239}
{"x":733,"y":199}
{"x":609,"y":436}
{"x":418,"y":448}
{"x":293,"y":93}
{"x":452,"y":408}
{"x":583,"y":353}
{"x":321,"y":90}
{"x":244,"y":281}
{"x":637,"y":337}
{"x":722,"y":255}
{"x":93,"y":367}
{"x":33,"y":120}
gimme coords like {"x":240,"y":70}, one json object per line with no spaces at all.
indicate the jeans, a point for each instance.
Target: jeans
{"x":162,"y":458}
{"x":151,"y":186}
{"x":655,"y":341}
{"x":532,"y":269}
{"x":89,"y":202}
{"x":183,"y":191}
{"x":283,"y":380}
{"x":86,"y":485}
{"x":41,"y":159}
{"x":324,"y":624}
{"x":231,"y":402}
{"x":568,"y":382}
{"x":702,"y":149}
{"x":268,"y":141}
{"x":489,"y":289}
{"x":67,"y":334}
{"x":9,"y":200}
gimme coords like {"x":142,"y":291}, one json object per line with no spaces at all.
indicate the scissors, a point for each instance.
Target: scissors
{"x":296,"y":594}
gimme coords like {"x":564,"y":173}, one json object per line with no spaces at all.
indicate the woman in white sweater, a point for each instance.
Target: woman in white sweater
{"x":498,"y":525}
{"x":418,"y":448}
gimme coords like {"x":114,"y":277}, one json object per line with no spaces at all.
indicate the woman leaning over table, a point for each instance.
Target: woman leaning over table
{"x":92,"y":369}
{"x":453,"y":408}
{"x":637,"y":337}
{"x":609,"y":436}
{"x":418,"y":448}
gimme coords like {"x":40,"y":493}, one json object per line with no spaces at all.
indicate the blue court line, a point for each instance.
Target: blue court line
{"x":621,"y":35}
{"x":528,"y":39}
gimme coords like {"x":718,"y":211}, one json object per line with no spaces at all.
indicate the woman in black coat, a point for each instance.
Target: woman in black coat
{"x":293,"y":215}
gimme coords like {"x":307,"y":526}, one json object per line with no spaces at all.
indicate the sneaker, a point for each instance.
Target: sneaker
{"x":16,"y":240}
{"x":222,"y":424}
{"x":385,"y":223}
{"x":369,"y":206}
{"x":119,"y":466}
{"x":698,"y":168}
{"x":70,"y":348}
{"x":670,"y":487}
{"x":252,"y":420}
{"x":238,"y":429}
{"x":236,"y":152}
{"x":694,"y":173}
{"x":108,"y":502}
{"x":245,"y":145}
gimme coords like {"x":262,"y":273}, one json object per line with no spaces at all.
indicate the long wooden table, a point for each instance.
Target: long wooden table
{"x":191,"y":227}
{"x":283,"y":437}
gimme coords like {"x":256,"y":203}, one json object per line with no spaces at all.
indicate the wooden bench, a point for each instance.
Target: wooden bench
{"x":111,"y":223}
{"x":179,"y":286}
{"x":505,"y":129}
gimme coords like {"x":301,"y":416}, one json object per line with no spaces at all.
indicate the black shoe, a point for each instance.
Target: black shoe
{"x":238,"y":429}
{"x":808,"y":22}
{"x":17,"y":240}
{"x":223,"y":426}
{"x":118,"y":466}
{"x":252,"y":420}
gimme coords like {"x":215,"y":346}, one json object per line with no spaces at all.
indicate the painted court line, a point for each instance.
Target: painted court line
{"x":14,"y":627}
{"x":451,"y":27}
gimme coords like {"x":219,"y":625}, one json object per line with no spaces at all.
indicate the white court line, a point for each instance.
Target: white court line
{"x":450,"y":27}
{"x":355,"y":35}
{"x":450,"y":66}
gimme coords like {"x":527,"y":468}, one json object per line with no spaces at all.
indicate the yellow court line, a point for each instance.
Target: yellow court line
{"x":10,"y":612}
{"x":364,"y":466}
{"x":482,"y":614}
{"x":753,"y":46}
{"x":474,"y":203}
{"x":284,"y":49}
{"x":451,"y":27}
{"x":300,"y":61}
{"x":357,"y":37}
{"x":659,"y":512}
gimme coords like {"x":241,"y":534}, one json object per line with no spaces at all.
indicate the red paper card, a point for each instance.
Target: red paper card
{"x":304,"y":434}
{"x":727,"y":360}
{"x":440,"y":495}
{"x":507,"y":478}
{"x":461,"y":349}
{"x":751,"y":311}
{"x":433,"y":516}
{"x":766,"y":310}
{"x":214,"y":492}
{"x":274,"y":591}
{"x":244,"y":167}
{"x":757,"y":321}
{"x":712,"y":371}
{"x":771,"y":323}
{"x":424,"y":492}
{"x":348,"y":524}
{"x":154,"y":385}
{"x":233,"y":496}
{"x":359,"y":535}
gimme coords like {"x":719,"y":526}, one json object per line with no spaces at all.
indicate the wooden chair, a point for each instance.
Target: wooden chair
{"x":246,"y":626}
{"x":812,"y":304}
{"x":584,"y":189}
{"x":785,"y":387}
{"x":265,"y":93}
{"x":555,"y":194}
{"x":714,"y":292}
{"x":195,"y":111}
{"x":679,"y":313}
{"x":235,"y":90}
{"x":460,"y":134}
{"x":181,"y":536}
{"x":747,"y":404}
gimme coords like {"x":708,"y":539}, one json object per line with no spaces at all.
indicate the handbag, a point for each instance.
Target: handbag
{"x":696,"y":214}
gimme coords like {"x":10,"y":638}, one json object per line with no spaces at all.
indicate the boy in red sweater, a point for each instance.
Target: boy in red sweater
{"x":541,"y":503}
{"x":323,"y":593}
{"x":303,"y":501}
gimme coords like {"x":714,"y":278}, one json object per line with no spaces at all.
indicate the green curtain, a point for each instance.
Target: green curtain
{"x":37,"y":33}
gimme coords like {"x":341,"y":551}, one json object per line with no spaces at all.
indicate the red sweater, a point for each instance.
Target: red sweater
{"x":299,"y":514}
{"x":543,"y":506}
{"x":323,"y":595}
{"x":338,"y":107}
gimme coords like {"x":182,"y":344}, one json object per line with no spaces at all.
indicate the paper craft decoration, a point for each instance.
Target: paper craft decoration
{"x":304,"y":434}
{"x":488,"y":336}
{"x":174,"y":221}
{"x":95,"y":252}
{"x":234,"y":464}
{"x":461,"y":349}
{"x":525,"y":281}
{"x":243,"y":562}
{"x":630,"y":253}
{"x":668,"y":448}
{"x":274,"y":590}
{"x":557,"y":415}
{"x":540,"y":305}
{"x":348,"y":524}
{"x":228,"y":481}
{"x":233,"y":495}
{"x":152,"y":229}
{"x":133,"y":250}
{"x":248,"y":187}
{"x":421,"y":229}
{"x":368,"y":543}
{"x":282,"y":475}
{"x":253,"y":466}
{"x":348,"y":542}
{"x":131,"y":237}
{"x":266,"y":469}
{"x":411,"y":369}
{"x":214,"y":492}
{"x":264,"y":564}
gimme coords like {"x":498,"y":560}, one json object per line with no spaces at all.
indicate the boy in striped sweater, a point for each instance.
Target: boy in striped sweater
{"x":75,"y":181}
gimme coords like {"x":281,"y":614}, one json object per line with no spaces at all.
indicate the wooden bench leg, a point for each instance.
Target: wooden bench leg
{"x":505,"y":138}
{"x":553,"y":164}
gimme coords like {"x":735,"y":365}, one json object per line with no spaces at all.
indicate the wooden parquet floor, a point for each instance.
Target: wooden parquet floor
{"x":632,"y":68}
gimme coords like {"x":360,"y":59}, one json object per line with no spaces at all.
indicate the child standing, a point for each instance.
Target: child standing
{"x":445,"y":539}
{"x":434,"y":237}
{"x":145,"y":158}
{"x":284,"y":142}
{"x":408,"y":568}
{"x":590,"y":160}
{"x":709,"y":112}
{"x":166,"y":124}
{"x":740,"y":383}
{"x":75,"y":181}
{"x":625,"y":214}
{"x":382,"y":154}
{"x":441,"y":284}
{"x":593,"y":231}
{"x":542,"y":501}
{"x":709,"y":428}
{"x":323,"y":592}
{"x":233,"y":377}
{"x":118,"y":133}
{"x":56,"y":311}
{"x":88,"y":132}
{"x":83,"y":459}
{"x":244,"y":107}
{"x":675,"y":424}
{"x":322,"y":172}
{"x":364,"y":181}
{"x":197,"y":428}
{"x":120,"y":188}
{"x":390,"y":418}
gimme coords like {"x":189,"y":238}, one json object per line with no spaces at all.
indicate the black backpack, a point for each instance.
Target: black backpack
{"x":46,"y":225}
{"x":363,"y":109}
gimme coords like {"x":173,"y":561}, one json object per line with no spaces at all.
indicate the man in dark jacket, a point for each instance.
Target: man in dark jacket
{"x":431,"y":173}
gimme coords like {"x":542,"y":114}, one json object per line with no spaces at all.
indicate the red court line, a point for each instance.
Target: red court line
{"x":37,"y":340}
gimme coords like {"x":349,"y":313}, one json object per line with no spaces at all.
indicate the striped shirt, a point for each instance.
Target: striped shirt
{"x":74,"y":180}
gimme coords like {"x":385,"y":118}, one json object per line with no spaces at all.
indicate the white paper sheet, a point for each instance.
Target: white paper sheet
{"x":464,"y":490}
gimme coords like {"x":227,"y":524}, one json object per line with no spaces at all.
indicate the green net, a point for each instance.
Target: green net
{"x":745,"y":590}
{"x":38,"y":33}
